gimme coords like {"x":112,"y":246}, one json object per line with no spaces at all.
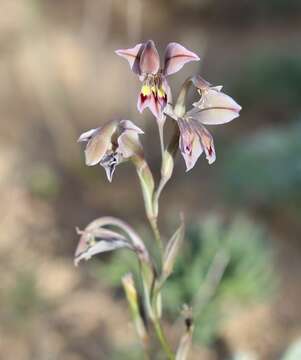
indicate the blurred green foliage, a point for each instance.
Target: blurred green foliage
{"x":271,"y":79}
{"x":23,"y":299}
{"x":43,"y":181}
{"x":278,"y":7}
{"x":265,"y":168}
{"x":245,"y":278}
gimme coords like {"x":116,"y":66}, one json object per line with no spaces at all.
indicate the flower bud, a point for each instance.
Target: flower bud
{"x":133,"y":300}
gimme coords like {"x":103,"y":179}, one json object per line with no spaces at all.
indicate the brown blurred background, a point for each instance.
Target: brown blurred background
{"x":59,"y":76}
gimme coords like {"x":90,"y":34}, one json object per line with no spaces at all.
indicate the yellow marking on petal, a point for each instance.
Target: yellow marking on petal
{"x":146,"y":90}
{"x":154,"y":89}
{"x":161,"y":92}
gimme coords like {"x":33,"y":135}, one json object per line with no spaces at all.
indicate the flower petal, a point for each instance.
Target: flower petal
{"x":98,"y":142}
{"x":149,"y":60}
{"x":132,"y":55}
{"x":189,"y":144}
{"x":215,"y":108}
{"x":176,"y":56}
{"x":129,"y":144}
{"x":143,"y":102}
{"x":129,"y":125}
{"x":99,"y":241}
{"x":207,"y":144}
{"x":109,"y":163}
{"x":155,"y":107}
{"x":213,"y":116}
{"x":86,"y":136}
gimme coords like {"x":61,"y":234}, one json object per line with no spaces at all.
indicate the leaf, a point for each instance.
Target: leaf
{"x":172,"y":250}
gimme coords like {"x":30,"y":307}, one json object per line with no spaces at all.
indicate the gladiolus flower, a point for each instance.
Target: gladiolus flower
{"x":213,"y":108}
{"x":111,"y":144}
{"x":145,"y":62}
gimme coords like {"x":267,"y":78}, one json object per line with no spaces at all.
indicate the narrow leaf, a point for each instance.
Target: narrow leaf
{"x":172,"y":250}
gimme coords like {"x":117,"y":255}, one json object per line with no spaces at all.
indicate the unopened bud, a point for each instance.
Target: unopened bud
{"x":132,"y":297}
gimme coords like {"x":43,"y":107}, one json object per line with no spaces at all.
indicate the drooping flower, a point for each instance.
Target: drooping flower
{"x":111,"y":144}
{"x":145,"y":62}
{"x":213,"y":108}
{"x":96,"y":238}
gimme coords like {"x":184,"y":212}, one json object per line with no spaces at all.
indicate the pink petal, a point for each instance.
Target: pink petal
{"x":200,"y":83}
{"x":155,"y":107}
{"x":192,"y":154}
{"x":149,"y":60}
{"x":176,"y":56}
{"x":132,"y":55}
{"x":143,"y":102}
{"x":189,"y":144}
{"x":207,"y":144}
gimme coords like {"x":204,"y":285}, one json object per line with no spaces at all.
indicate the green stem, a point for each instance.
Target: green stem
{"x":161,"y":135}
{"x":161,"y":337}
{"x":167,"y":166}
{"x":154,"y":225}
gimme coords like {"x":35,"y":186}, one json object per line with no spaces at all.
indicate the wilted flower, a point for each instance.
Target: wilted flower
{"x":144,"y":61}
{"x":213,"y":108}
{"x":97,"y":239}
{"x":111,"y":144}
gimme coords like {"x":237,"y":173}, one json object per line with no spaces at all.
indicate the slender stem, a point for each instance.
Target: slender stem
{"x":167,"y":166}
{"x":154,"y":225}
{"x":161,"y":135}
{"x":161,"y":336}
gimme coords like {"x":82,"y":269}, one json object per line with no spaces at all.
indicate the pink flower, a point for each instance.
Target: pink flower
{"x":214,"y":108}
{"x":145,"y":62}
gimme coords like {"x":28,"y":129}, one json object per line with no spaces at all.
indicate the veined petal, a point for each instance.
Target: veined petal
{"x":213,"y":97}
{"x":176,"y":56}
{"x":166,"y":90}
{"x":155,"y":106}
{"x":149,"y":60}
{"x":207,"y":144}
{"x":215,"y":108}
{"x":132,"y":55}
{"x":99,"y":143}
{"x":143,"y":102}
{"x":189,"y":144}
{"x":213,"y":116}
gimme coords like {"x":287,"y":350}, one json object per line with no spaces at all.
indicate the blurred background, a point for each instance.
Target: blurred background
{"x":59,"y":76}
